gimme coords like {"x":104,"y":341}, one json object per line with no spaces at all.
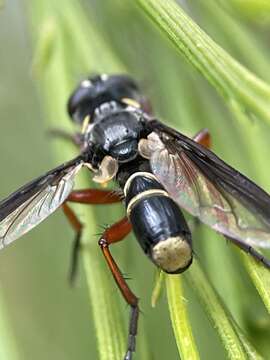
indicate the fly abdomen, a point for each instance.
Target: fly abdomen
{"x":158,"y":223}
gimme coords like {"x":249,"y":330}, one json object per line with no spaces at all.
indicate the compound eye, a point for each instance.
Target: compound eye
{"x":80,"y":102}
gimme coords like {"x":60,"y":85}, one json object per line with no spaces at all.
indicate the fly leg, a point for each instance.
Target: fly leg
{"x":250,"y":250}
{"x":115,"y":233}
{"x":203,"y":137}
{"x":86,"y":196}
{"x":94,"y":197}
{"x":76,"y":139}
{"x":77,"y":226}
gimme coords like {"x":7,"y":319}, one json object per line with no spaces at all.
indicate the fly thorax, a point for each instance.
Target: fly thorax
{"x":106,"y":109}
{"x":117,"y":135}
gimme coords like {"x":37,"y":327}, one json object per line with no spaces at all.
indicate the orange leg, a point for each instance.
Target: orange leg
{"x":117,"y":232}
{"x":87,"y":196}
{"x":77,"y":226}
{"x":93,"y":196}
{"x":203,"y":137}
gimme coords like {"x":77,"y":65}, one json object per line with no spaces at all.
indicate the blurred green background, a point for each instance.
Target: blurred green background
{"x":42,"y":317}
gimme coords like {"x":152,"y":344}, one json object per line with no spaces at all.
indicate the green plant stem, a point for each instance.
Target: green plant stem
{"x":8,"y":346}
{"x":231,"y":79}
{"x":260,"y":277}
{"x":54,"y":74}
{"x":235,"y":343}
{"x":157,"y":287}
{"x":178,"y":312}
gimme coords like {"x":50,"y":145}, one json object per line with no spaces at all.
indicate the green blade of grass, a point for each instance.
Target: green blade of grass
{"x":260,"y":277}
{"x":8,"y":346}
{"x":236,"y":36}
{"x":234,"y":341}
{"x":156,"y":293}
{"x":231,"y":79}
{"x":179,"y":317}
{"x":45,"y":46}
{"x":55,"y":78}
{"x":255,"y":10}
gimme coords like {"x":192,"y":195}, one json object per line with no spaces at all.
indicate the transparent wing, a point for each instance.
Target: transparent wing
{"x":208,"y":188}
{"x":28,"y":206}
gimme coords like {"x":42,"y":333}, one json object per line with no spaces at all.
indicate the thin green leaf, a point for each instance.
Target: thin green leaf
{"x":45,"y":46}
{"x":157,"y":288}
{"x":260,"y":277}
{"x":235,"y":343}
{"x":251,"y":352}
{"x":179,"y":317}
{"x":256,"y":10}
{"x":109,"y":328}
{"x":231,"y":79}
{"x":8,"y":346}
{"x":238,"y":37}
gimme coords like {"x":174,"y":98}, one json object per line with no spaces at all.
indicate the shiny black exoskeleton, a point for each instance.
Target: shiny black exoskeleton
{"x":158,"y":223}
{"x":117,"y":123}
{"x":117,"y":134}
{"x":102,"y":89}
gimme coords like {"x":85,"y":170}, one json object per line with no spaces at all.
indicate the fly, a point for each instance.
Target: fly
{"x":158,"y":170}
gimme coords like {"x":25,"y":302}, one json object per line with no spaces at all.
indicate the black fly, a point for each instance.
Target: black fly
{"x":159,"y":171}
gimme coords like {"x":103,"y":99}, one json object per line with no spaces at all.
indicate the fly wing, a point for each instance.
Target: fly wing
{"x":34,"y":202}
{"x":208,"y":188}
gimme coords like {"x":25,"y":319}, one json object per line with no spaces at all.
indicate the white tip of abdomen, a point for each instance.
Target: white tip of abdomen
{"x":172,"y":254}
